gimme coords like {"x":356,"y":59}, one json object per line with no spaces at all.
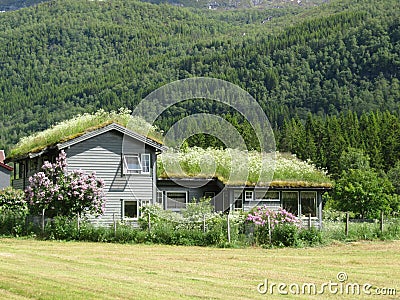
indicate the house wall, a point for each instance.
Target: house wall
{"x":4,"y":178}
{"x":193,"y":190}
{"x":102,"y":154}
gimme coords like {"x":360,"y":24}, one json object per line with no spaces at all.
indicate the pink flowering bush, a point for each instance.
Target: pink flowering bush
{"x":259,"y":217}
{"x":63,"y":193}
{"x":283,"y":225}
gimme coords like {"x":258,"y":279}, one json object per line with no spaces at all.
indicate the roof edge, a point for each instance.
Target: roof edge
{"x":9,"y":168}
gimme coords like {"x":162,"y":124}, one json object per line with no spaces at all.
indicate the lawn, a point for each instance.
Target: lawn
{"x":78,"y":270}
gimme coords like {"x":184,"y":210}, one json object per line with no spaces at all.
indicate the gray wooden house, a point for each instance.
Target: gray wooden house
{"x":304,"y":202}
{"x":5,"y":171}
{"x":125,"y":160}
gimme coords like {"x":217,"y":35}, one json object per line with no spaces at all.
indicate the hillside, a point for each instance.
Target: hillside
{"x":61,"y":58}
{"x":7,"y":5}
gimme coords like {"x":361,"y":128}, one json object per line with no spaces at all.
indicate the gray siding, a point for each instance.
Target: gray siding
{"x":193,"y":190}
{"x":4,"y":177}
{"x":102,"y":154}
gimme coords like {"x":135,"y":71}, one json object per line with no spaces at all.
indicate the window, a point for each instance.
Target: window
{"x":267,"y":195}
{"x":146,"y":163}
{"x":132,"y":163}
{"x":130,"y":209}
{"x":248,"y":196}
{"x":238,"y":199}
{"x":290,"y":202}
{"x":176,"y":200}
{"x":17,"y":174}
{"x":135,"y":163}
{"x":308,"y":202}
{"x":160,"y":197}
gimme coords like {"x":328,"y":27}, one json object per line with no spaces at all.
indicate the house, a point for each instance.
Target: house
{"x":125,"y":160}
{"x":133,"y":176}
{"x":304,"y":202}
{"x":295,"y":185}
{"x":5,"y":171}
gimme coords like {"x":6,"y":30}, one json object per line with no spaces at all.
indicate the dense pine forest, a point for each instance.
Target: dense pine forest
{"x":327,"y":76}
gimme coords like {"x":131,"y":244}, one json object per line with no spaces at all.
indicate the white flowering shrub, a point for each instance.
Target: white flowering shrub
{"x":12,"y":199}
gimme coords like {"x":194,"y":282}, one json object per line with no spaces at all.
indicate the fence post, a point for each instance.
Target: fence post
{"x":43,"y":221}
{"x":269,"y":230}
{"x":115,"y":225}
{"x":309,"y":221}
{"x":347,"y":224}
{"x":382,"y":215}
{"x":229,"y":228}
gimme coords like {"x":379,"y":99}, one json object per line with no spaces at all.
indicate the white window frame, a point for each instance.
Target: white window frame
{"x":144,"y":161}
{"x":238,"y":197}
{"x":160,"y":196}
{"x":265,"y":197}
{"x":126,"y":167}
{"x":315,"y":205}
{"x":174,"y":192}
{"x":124,"y":201}
{"x":248,"y":196}
{"x":296,"y":201}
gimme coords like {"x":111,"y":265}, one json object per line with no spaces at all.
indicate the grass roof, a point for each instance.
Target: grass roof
{"x":235,"y":167}
{"x":79,"y":125}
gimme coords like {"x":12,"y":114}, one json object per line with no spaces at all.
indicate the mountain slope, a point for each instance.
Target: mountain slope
{"x":61,"y":58}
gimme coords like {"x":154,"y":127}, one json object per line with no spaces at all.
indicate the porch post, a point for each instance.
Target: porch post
{"x":319,"y":201}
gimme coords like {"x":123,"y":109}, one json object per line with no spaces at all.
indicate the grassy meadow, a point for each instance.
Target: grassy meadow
{"x":31,"y":269}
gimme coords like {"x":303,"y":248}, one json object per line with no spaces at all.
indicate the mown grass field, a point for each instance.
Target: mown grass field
{"x":78,"y":270}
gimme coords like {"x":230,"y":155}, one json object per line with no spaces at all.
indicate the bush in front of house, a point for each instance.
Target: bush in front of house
{"x":57,"y":192}
{"x":13,"y":212}
{"x":280,"y":228}
{"x":196,"y":226}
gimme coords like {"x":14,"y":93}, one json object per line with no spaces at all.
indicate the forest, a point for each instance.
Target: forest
{"x":327,"y":76}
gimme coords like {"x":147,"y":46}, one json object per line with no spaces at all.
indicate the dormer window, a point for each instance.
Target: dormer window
{"x":136,"y":164}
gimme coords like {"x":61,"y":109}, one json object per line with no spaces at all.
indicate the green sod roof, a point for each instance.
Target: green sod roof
{"x":79,"y":125}
{"x":235,"y":167}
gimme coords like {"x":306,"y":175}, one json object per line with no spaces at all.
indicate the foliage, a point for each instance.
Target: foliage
{"x":282,"y":225}
{"x":285,"y":235}
{"x":335,"y":230}
{"x":394,"y":176}
{"x":12,"y":199}
{"x":311,"y":236}
{"x":233,"y":167}
{"x":363,"y":192}
{"x":196,"y":225}
{"x":338,"y":57}
{"x":260,"y":216}
{"x":353,"y":159}
{"x":61,"y":193}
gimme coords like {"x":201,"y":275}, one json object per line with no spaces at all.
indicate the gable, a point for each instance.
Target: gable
{"x":125,"y":133}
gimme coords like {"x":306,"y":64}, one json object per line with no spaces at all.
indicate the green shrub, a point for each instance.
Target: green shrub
{"x":311,"y":236}
{"x":13,"y":223}
{"x":285,"y":235}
